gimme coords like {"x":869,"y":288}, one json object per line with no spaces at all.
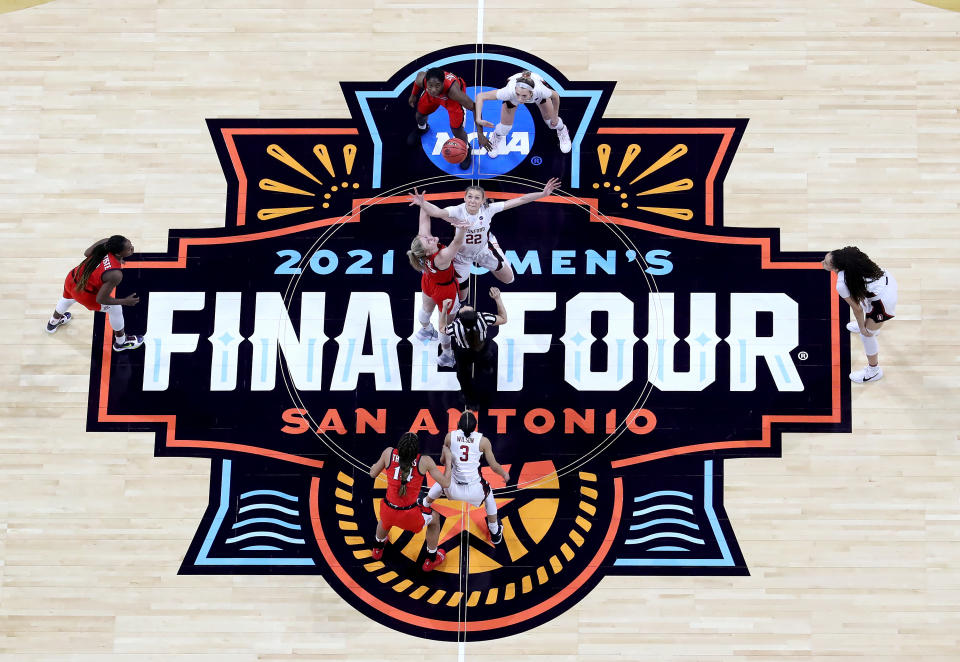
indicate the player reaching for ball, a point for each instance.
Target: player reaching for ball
{"x":480,"y":246}
{"x":438,"y":282}
{"x":524,"y":87}
{"x":400,"y":507}
{"x":434,"y":88}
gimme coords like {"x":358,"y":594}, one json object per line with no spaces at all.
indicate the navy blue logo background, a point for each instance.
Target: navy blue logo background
{"x":282,"y":347}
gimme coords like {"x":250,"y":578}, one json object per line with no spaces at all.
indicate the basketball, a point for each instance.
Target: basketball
{"x":454,"y":150}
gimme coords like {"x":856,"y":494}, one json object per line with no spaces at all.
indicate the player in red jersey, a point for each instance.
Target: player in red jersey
{"x":438,"y":282}
{"x":405,"y":469}
{"x":434,"y":88}
{"x":91,"y":282}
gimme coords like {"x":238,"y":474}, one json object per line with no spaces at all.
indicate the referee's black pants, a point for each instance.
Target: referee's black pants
{"x":475,"y":372}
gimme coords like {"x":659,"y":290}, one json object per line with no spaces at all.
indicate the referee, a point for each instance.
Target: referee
{"x":474,"y":352}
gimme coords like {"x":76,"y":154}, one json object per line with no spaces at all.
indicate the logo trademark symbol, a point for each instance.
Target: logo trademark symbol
{"x":803,"y":356}
{"x":536,"y":160}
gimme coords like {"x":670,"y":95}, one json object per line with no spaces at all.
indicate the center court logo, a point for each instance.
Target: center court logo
{"x":647,"y":345}
{"x":516,"y":147}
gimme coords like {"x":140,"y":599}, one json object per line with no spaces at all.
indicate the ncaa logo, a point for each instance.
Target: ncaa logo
{"x":514,"y":151}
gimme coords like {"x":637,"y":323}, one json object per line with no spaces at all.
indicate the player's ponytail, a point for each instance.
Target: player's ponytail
{"x":407,"y":449}
{"x":526,"y":77}
{"x":417,"y":254}
{"x":112,"y":246}
{"x":857,"y":269}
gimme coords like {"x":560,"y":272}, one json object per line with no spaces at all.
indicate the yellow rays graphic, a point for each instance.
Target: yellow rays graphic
{"x":603,"y":153}
{"x":280,"y":187}
{"x":679,"y":185}
{"x":669,"y":157}
{"x":281,"y":155}
{"x":270,"y":214}
{"x":672,"y":212}
{"x":632,"y":152}
{"x":349,"y":154}
{"x":322,"y":152}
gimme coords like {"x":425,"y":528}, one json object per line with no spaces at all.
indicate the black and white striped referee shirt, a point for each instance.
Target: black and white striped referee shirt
{"x":457,"y":331}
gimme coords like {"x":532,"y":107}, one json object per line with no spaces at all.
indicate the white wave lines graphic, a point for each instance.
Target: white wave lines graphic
{"x":288,"y":523}
{"x":653,"y":517}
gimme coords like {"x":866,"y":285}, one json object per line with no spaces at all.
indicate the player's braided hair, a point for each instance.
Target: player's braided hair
{"x":417,"y":254}
{"x":112,"y":246}
{"x":407,"y":449}
{"x":857,"y":269}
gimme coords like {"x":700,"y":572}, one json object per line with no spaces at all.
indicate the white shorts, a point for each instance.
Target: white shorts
{"x":887,"y":301}
{"x":489,"y":257}
{"x":474,"y":493}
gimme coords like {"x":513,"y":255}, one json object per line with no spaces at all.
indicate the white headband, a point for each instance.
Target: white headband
{"x":524,"y":85}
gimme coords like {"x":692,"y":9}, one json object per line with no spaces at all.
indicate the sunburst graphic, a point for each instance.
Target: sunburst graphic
{"x":678,"y":151}
{"x":321,"y":191}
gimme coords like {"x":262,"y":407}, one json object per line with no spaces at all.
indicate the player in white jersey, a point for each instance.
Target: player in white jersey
{"x":480,"y":246}
{"x":524,"y":87}
{"x":464,"y":446}
{"x":871,"y":293}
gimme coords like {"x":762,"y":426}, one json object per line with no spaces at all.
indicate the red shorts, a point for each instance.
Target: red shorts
{"x":428,"y":104}
{"x":439,"y":293}
{"x":87,"y":299}
{"x":408,"y":520}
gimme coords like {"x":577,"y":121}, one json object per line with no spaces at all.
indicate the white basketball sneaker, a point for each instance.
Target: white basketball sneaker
{"x":496,"y":142}
{"x":446,"y":359}
{"x":564,"y":137}
{"x":427,"y":333}
{"x":868,"y":374}
{"x":853,"y":327}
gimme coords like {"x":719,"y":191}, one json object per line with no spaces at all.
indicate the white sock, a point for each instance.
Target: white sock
{"x":872,"y":369}
{"x":422,"y":126}
{"x":557,"y":124}
{"x":502,"y":129}
{"x":493,"y":526}
{"x":431,"y":551}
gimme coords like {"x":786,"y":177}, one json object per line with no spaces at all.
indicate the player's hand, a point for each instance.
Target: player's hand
{"x":482,"y":139}
{"x":484,"y":123}
{"x":412,"y":101}
{"x":864,"y":331}
{"x":416,"y":198}
{"x":551,"y":186}
{"x":506,"y":476}
{"x":494,"y":292}
{"x":131,"y":300}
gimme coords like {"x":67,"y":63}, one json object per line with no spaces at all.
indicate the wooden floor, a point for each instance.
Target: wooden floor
{"x":854,"y":137}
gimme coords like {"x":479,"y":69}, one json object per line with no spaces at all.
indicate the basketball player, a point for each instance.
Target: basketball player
{"x":405,"y":469}
{"x":480,"y":246}
{"x":871,"y":293}
{"x":91,"y":283}
{"x":524,"y":87}
{"x":463,"y":447}
{"x":434,"y":88}
{"x":438,"y":282}
{"x":474,"y":352}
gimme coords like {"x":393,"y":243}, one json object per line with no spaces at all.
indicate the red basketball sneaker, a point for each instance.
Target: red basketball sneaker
{"x":429,"y":565}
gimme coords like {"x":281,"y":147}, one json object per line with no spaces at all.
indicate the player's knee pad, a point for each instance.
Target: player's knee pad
{"x":115,"y":315}
{"x":423,"y":317}
{"x":870,"y":344}
{"x":490,"y":504}
{"x":435,"y":492}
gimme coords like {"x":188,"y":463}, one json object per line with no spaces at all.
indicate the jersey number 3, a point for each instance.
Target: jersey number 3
{"x":466,"y":452}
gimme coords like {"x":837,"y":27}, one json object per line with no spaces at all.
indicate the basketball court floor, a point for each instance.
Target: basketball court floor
{"x":693,"y":475}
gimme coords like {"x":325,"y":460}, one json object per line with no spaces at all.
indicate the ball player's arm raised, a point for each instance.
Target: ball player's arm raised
{"x":428,"y":466}
{"x":548,"y":188}
{"x":418,"y":198}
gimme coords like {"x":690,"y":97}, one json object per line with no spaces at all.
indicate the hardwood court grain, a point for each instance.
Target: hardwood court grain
{"x":852,"y":540}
